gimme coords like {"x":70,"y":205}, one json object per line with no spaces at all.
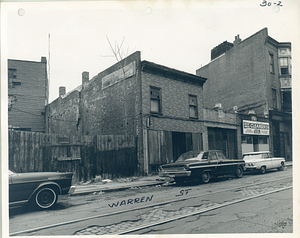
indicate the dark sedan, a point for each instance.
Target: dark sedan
{"x":201,"y":165}
{"x":41,"y":188}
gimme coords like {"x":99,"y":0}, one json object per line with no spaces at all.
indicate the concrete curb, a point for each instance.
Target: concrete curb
{"x":100,"y":188}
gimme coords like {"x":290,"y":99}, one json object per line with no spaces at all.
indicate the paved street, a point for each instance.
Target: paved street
{"x":271,"y":213}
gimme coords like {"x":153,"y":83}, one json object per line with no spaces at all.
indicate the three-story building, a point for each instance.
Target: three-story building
{"x":253,"y":79}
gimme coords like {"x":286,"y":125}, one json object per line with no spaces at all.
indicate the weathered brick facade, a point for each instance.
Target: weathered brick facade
{"x":175,"y":103}
{"x":27,"y":94}
{"x":238,"y":77}
{"x":118,"y":101}
{"x":248,"y":79}
{"x":62,"y":115}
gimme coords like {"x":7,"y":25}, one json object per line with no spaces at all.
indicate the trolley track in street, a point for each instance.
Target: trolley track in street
{"x":189,"y":211}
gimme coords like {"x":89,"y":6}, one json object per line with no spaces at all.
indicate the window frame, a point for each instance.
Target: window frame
{"x":158,"y":90}
{"x":274,"y":98}
{"x":195,"y":107}
{"x":271,"y":60}
{"x":284,"y":66}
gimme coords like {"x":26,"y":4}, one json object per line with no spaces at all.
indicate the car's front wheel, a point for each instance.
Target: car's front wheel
{"x":205,"y":177}
{"x":262,"y":170}
{"x":46,"y":197}
{"x":239,"y":172}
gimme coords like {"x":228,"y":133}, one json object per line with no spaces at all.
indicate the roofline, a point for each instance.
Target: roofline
{"x":27,"y":61}
{"x":150,"y":66}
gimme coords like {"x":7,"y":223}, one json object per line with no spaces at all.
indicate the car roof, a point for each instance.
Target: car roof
{"x":203,"y":151}
{"x":257,"y":152}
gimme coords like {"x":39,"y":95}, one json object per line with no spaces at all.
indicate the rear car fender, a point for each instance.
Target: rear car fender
{"x":47,"y":184}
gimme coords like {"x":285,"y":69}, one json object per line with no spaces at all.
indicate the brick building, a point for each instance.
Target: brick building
{"x":253,"y":79}
{"x":162,"y":107}
{"x":27,"y":94}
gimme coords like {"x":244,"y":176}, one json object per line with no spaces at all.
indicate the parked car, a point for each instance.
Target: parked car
{"x":262,"y":161}
{"x":201,"y":165}
{"x":41,"y":188}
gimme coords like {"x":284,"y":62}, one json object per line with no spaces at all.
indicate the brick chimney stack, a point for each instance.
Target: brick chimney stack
{"x":237,"y":40}
{"x":43,"y":59}
{"x":85,"y":77}
{"x":62,"y":91}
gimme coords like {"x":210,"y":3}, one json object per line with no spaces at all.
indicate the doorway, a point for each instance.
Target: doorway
{"x":181,"y":143}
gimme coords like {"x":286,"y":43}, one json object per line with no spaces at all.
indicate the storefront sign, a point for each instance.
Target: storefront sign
{"x":255,"y":128}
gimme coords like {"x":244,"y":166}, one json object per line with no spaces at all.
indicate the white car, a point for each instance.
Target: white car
{"x":262,"y":161}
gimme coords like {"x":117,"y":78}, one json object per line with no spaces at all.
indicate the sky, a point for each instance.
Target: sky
{"x":176,"y":34}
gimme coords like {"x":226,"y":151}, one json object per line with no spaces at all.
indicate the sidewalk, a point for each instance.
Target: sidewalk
{"x":107,"y":185}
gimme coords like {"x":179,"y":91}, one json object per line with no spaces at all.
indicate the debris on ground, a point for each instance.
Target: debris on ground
{"x":97,"y":179}
{"x":168,"y":184}
{"x":98,"y":193}
{"x":86,"y":183}
{"x":125,"y":180}
{"x":107,"y":181}
{"x":136,"y":187}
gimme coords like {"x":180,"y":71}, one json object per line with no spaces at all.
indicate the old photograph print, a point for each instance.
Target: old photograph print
{"x":149,"y":118}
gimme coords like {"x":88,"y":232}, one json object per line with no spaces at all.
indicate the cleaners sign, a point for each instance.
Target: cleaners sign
{"x":255,"y":128}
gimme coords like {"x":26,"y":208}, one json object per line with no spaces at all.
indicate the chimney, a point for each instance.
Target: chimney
{"x":237,"y":40}
{"x":85,"y":77}
{"x":220,"y":49}
{"x":62,"y":91}
{"x":43,"y":59}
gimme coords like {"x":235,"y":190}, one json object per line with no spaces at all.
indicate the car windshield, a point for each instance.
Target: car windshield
{"x":191,"y":155}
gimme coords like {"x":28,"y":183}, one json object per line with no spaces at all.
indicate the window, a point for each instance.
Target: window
{"x":247,"y":140}
{"x":193,"y":106}
{"x":284,"y":65}
{"x":155,"y":98}
{"x":212,"y":156}
{"x":12,"y":82}
{"x":221,"y":156}
{"x":205,"y":156}
{"x":262,"y":140}
{"x":271,"y":59}
{"x":274,"y":98}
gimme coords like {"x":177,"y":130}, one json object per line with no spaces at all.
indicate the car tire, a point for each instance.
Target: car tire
{"x":281,"y":167}
{"x":239,"y":172}
{"x":262,"y":169}
{"x":205,"y":177}
{"x":45,"y":197}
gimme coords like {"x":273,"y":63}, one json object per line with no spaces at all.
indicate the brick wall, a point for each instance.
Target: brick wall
{"x":175,"y":103}
{"x":237,"y":78}
{"x":63,"y":116}
{"x":27,"y":90}
{"x":111,"y":110}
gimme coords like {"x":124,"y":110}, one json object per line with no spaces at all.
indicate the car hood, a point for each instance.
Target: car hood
{"x":38,"y":176}
{"x":252,"y":160}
